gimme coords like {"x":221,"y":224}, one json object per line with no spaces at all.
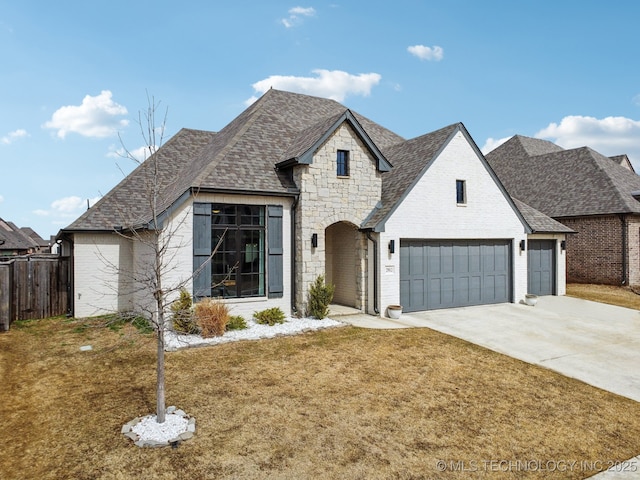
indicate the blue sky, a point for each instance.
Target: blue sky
{"x":74,"y":74}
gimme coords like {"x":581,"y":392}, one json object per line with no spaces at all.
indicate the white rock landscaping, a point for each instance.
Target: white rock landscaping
{"x":147,"y":432}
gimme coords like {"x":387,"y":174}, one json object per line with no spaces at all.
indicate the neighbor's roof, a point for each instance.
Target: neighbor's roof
{"x":14,"y":238}
{"x":564,"y":183}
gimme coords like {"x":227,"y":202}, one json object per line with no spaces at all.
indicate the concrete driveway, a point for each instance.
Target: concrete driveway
{"x":593,"y":342}
{"x":596,"y":343}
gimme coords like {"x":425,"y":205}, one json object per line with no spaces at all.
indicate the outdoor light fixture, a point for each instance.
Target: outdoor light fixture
{"x":314,"y":240}
{"x":392,"y":246}
{"x":523,"y":245}
{"x":563,"y":245}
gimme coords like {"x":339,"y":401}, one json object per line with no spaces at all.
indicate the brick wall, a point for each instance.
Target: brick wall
{"x":594,"y":254}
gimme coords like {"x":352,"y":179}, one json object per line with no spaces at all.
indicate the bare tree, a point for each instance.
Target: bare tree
{"x":158,"y":238}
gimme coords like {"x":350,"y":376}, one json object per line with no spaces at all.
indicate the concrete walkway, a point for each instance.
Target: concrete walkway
{"x":596,"y":343}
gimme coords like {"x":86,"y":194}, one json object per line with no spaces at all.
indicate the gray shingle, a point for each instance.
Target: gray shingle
{"x":564,"y":183}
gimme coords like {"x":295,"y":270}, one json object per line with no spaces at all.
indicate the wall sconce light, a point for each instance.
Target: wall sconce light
{"x":392,"y":246}
{"x":523,"y":245}
{"x":563,"y":245}
{"x":314,"y":240}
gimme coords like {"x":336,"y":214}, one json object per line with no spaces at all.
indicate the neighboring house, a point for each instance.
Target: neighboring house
{"x":20,"y":241}
{"x":303,"y":186}
{"x":594,"y":195}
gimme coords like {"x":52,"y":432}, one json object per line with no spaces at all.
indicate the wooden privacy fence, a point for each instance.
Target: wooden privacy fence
{"x":32,"y":287}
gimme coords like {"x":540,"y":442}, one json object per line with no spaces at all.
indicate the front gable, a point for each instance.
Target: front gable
{"x":306,"y":145}
{"x":459,"y":196}
{"x":327,"y":194}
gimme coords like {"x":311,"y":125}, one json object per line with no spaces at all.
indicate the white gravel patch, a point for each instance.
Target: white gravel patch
{"x":149,"y":429}
{"x":254,"y":331}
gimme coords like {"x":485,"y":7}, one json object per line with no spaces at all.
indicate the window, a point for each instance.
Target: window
{"x":248,"y":261}
{"x":238,"y":267}
{"x":342,"y":163}
{"x":461,"y":192}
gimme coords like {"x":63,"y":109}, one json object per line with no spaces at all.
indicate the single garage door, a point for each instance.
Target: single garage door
{"x":541,"y":263}
{"x":454,"y":273}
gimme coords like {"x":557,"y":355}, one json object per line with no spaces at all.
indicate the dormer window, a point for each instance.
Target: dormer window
{"x":461,"y":192}
{"x":342,"y":163}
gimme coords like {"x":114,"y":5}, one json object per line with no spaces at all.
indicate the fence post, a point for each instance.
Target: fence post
{"x":6,"y":294}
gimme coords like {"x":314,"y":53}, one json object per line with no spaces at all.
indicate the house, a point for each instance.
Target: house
{"x":298,"y":186}
{"x":20,"y":241}
{"x":594,"y":195}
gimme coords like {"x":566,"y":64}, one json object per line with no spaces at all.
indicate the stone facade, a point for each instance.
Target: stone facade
{"x":327,"y":199}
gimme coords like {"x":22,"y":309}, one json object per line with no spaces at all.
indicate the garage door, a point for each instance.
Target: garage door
{"x":541,"y":264}
{"x":454,"y":273}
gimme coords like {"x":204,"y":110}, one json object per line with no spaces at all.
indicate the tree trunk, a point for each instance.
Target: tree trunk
{"x":160,"y":402}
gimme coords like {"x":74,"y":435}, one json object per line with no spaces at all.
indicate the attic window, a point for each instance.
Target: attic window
{"x":461,"y":192}
{"x":342,"y":163}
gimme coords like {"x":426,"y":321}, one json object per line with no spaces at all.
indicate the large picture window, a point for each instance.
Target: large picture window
{"x":238,"y":267}
{"x":249,"y":258}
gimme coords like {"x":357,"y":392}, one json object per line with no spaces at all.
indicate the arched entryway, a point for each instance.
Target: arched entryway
{"x":342,"y":255}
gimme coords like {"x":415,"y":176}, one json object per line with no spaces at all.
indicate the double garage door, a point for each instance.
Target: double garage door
{"x":454,"y":273}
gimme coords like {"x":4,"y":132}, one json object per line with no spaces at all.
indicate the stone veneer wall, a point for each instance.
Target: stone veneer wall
{"x":326,"y":199}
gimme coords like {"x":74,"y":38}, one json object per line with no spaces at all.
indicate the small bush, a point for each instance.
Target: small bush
{"x":319,"y":298}
{"x":183,"y":317}
{"x":270,"y":316}
{"x":212,"y":316}
{"x":236,"y":322}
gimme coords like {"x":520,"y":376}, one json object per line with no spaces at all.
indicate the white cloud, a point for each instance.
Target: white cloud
{"x":296,"y":15}
{"x":333,"y":84}
{"x":608,"y":136}
{"x":1,"y":199}
{"x":95,"y":117}
{"x":636,"y":100}
{"x":67,"y":207}
{"x":434,"y":53}
{"x":139,"y":154}
{"x":492,"y":144}
{"x":12,"y":136}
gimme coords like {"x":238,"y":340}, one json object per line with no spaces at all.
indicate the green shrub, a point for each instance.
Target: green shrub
{"x":319,"y":298}
{"x":236,"y":322}
{"x":270,"y":316}
{"x":212,"y":316}
{"x":183,"y":317}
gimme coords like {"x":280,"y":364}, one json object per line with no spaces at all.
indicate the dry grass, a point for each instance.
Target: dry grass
{"x":336,"y":404}
{"x":622,"y":296}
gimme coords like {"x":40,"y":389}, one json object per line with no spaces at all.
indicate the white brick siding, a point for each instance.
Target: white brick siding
{"x":430,"y":211}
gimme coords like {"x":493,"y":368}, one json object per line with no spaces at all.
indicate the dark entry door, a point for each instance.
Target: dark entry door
{"x":541,"y":262}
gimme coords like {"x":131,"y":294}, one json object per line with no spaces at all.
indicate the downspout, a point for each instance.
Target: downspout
{"x":293,"y":254}
{"x":625,"y":241}
{"x":375,"y":272}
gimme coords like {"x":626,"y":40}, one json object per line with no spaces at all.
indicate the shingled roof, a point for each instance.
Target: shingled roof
{"x":240,"y":158}
{"x":564,"y":183}
{"x":279,"y":128}
{"x":15,"y":239}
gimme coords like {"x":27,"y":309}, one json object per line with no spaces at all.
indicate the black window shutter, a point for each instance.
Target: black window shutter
{"x":275,"y":251}
{"x":201,"y":250}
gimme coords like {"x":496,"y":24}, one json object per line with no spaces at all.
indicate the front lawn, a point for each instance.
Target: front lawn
{"x":332,"y":404}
